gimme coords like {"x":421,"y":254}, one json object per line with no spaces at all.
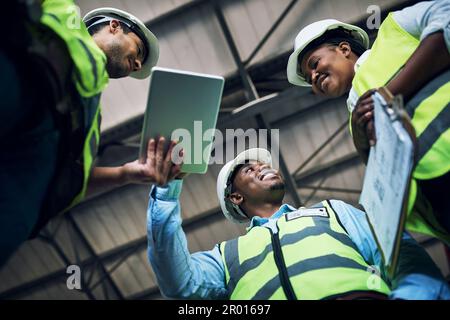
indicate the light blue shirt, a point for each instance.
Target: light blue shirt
{"x":425,"y":18}
{"x":201,"y":275}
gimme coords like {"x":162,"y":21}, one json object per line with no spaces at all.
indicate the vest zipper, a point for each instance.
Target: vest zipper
{"x":281,"y":265}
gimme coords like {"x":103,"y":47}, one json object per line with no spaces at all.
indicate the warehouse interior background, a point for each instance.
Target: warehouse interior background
{"x":248,"y":42}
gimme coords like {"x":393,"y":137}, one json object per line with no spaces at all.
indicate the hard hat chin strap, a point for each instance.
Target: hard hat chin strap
{"x":234,"y":209}
{"x":239,"y":211}
{"x":126,"y":22}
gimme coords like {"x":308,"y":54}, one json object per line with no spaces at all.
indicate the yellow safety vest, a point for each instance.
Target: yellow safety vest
{"x":311,"y":257}
{"x":89,"y":78}
{"x":429,"y":112}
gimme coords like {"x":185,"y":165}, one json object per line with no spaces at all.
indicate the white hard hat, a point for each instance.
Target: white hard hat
{"x":232,"y":211}
{"x":137,"y":26}
{"x":312,"y":32}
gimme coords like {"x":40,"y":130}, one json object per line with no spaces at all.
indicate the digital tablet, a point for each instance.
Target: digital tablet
{"x":183,"y":106}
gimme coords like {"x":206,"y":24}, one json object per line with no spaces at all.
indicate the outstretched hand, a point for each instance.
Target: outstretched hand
{"x":159,"y":167}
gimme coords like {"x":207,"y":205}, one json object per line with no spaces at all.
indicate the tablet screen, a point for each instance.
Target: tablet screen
{"x":183,"y":106}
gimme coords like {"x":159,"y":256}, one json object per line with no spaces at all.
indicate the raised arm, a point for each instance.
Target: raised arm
{"x":428,"y":22}
{"x":180,"y":275}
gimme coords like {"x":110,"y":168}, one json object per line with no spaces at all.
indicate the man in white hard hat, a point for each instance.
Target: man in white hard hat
{"x":410,"y":56}
{"x":53,"y":73}
{"x":130,"y":47}
{"x":325,"y":251}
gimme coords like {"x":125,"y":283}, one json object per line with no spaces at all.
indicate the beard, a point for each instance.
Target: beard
{"x":276,"y":192}
{"x":116,"y":66}
{"x":277,"y":186}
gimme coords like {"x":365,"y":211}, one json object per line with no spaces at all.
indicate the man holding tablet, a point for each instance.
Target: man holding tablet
{"x":326,"y":251}
{"x":51,"y":89}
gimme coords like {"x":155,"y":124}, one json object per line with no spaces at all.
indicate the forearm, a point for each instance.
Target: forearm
{"x":417,"y":276}
{"x":103,"y":178}
{"x":179,"y":274}
{"x":429,"y":59}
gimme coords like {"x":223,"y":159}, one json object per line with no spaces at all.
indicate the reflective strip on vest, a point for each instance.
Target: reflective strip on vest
{"x":89,"y":151}
{"x":429,"y":111}
{"x":241,"y":266}
{"x":320,"y":259}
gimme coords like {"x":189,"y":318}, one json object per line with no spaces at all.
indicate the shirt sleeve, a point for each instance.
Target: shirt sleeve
{"x":180,"y":275}
{"x":417,"y":276}
{"x":425,"y":18}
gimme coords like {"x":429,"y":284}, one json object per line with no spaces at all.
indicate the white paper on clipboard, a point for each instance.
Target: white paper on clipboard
{"x":387,"y":179}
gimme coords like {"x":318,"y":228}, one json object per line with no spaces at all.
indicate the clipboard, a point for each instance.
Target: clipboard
{"x":387,"y":178}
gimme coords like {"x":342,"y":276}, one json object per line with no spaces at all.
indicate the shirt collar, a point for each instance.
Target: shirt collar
{"x":352,"y":95}
{"x":259,"y":221}
{"x":362,"y":58}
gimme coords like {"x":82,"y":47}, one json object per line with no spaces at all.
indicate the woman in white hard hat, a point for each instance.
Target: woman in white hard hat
{"x":337,"y":45}
{"x":409,"y":57}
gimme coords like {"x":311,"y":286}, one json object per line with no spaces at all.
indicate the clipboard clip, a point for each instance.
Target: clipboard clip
{"x":395,"y":109}
{"x":394,"y":104}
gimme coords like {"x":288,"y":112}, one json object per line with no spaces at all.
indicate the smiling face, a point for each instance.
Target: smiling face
{"x":329,"y":69}
{"x":257,"y":183}
{"x":124,"y":49}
